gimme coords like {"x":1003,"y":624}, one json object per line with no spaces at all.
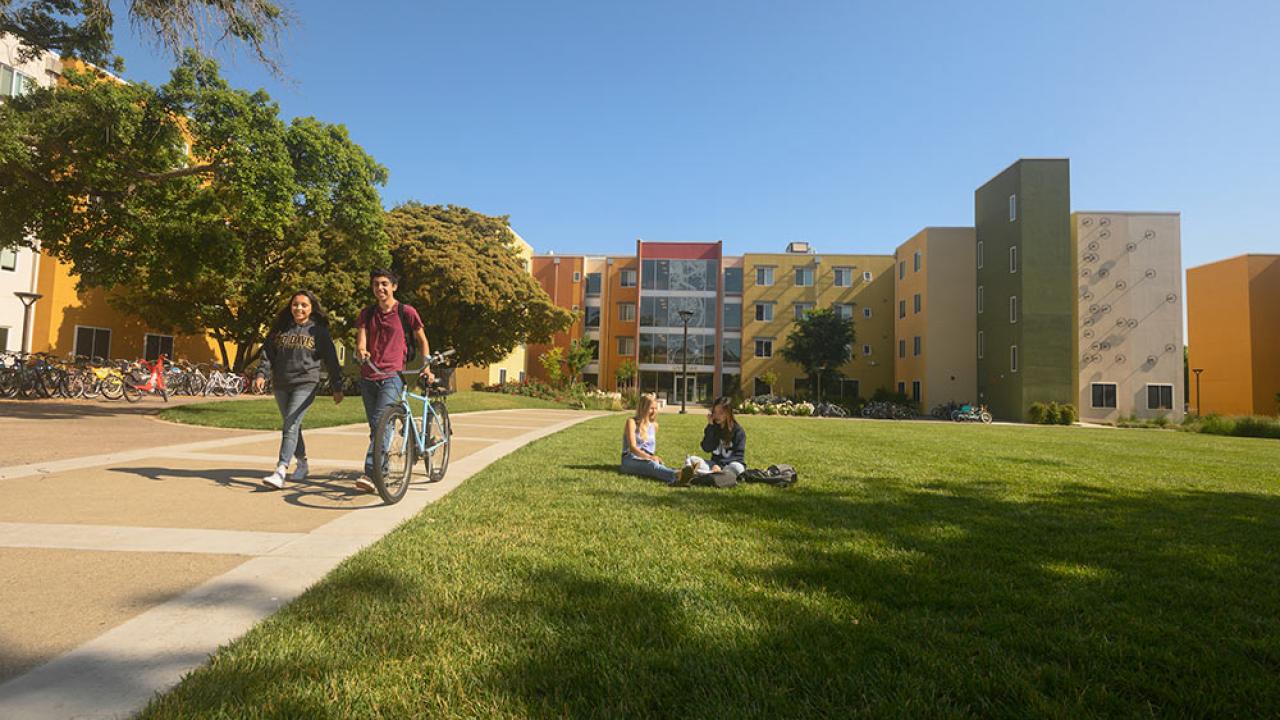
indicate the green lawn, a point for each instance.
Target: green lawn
{"x":262,"y":414}
{"x":916,"y":570}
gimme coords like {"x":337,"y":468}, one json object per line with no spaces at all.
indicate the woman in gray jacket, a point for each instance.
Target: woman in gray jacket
{"x":292,"y":354}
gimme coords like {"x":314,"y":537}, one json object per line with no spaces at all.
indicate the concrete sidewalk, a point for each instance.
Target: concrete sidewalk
{"x":126,"y":569}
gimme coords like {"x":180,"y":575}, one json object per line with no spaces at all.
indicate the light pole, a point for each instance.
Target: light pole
{"x":28,"y":299}
{"x":1199,"y":403}
{"x":685,"y":317}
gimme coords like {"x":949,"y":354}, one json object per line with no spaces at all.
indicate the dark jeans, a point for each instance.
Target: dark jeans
{"x":377,"y":394}
{"x":293,"y":402}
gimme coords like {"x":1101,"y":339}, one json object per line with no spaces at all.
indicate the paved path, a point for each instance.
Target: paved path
{"x":125,"y":569}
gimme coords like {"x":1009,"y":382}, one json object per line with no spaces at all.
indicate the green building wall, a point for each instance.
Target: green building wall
{"x":1043,"y":283}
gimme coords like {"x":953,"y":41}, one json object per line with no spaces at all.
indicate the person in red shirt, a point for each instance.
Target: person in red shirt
{"x":381,"y":342}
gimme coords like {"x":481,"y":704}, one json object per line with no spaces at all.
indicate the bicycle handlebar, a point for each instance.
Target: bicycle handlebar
{"x":432,"y":359}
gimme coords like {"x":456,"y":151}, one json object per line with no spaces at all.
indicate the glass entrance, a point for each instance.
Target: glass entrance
{"x":690,"y":391}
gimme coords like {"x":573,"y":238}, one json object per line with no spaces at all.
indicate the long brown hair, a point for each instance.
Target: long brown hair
{"x":725,"y":404}
{"x":644,"y":404}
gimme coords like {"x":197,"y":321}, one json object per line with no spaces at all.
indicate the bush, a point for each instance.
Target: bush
{"x":1257,"y":426}
{"x":1052,"y":413}
{"x":1036,"y":413}
{"x":1067,"y":414}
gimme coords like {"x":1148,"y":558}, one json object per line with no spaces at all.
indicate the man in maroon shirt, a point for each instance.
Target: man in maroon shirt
{"x":382,"y":343}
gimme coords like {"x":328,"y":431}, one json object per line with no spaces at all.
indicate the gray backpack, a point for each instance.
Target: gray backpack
{"x":776,"y":475}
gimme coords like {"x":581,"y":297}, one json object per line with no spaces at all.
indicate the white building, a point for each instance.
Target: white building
{"x":18,"y":267}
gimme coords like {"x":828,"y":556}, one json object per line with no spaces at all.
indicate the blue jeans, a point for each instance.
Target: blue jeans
{"x":632,"y":465}
{"x":378,"y":394}
{"x":293,"y":402}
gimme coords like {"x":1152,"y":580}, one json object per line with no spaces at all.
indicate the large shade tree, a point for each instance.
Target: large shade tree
{"x":193,"y":204}
{"x":462,"y":271}
{"x":85,"y":28}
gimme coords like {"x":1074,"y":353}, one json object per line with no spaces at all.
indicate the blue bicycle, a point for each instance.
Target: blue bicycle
{"x":401,"y":438}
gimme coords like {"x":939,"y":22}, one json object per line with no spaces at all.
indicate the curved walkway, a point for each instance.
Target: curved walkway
{"x":125,"y":570}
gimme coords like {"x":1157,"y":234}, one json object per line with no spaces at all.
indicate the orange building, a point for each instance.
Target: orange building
{"x":1233,"y":328}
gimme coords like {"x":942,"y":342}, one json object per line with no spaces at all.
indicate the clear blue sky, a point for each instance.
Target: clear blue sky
{"x":847,"y":124}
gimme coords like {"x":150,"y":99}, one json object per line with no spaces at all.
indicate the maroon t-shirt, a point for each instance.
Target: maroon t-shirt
{"x":384,"y":337}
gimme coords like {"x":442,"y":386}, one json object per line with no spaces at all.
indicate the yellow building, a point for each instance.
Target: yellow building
{"x":779,"y":288}
{"x":935,"y":322}
{"x":1233,"y":332}
{"x":512,"y":367}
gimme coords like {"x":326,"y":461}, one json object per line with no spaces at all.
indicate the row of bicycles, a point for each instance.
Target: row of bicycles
{"x":40,"y":375}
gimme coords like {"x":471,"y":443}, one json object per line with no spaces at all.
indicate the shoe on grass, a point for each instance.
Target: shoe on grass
{"x":364,"y":484}
{"x":300,"y":472}
{"x":685,"y":477}
{"x":276,"y":479}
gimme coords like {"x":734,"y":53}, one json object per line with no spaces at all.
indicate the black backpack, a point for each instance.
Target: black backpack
{"x":410,"y":340}
{"x":776,"y":475}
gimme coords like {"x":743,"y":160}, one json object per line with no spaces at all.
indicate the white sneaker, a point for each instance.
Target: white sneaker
{"x":276,"y":479}
{"x":364,"y":484}
{"x":300,"y":472}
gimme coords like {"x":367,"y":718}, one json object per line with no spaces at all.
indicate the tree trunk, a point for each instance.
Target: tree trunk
{"x":222,"y":348}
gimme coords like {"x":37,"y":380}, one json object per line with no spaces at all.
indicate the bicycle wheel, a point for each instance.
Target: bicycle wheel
{"x":112,"y":387}
{"x":131,"y":392}
{"x":439,"y":435}
{"x":72,"y":385}
{"x":394,"y":448}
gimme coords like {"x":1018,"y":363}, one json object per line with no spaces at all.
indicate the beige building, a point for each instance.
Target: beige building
{"x":512,"y":367}
{"x":935,"y":323}
{"x":779,"y":288}
{"x":1128,"y":315}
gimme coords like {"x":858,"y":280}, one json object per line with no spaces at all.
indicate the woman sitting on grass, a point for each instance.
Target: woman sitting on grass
{"x":640,"y":443}
{"x":725,"y":439}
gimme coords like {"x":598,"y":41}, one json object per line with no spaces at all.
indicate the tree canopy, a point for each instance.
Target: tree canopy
{"x":85,"y":28}
{"x":462,"y":272}
{"x":193,"y":203}
{"x":820,"y":343}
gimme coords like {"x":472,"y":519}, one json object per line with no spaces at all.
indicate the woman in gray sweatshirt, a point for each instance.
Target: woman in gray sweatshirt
{"x":292,"y":354}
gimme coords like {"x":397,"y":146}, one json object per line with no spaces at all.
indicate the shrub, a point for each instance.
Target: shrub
{"x":1051,"y":413}
{"x":1036,"y":413}
{"x":1217,"y":425}
{"x":1067,"y":414}
{"x":1257,"y":426}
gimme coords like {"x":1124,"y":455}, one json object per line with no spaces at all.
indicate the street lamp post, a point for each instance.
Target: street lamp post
{"x":685,"y":317}
{"x":28,"y":299}
{"x":1199,"y":403}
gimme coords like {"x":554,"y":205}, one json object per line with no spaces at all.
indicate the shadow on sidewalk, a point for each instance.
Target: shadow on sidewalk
{"x":336,"y":489}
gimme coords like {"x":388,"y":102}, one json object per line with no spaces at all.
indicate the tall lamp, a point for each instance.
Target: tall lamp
{"x":28,"y":299}
{"x":685,"y":317}
{"x":1199,"y":402}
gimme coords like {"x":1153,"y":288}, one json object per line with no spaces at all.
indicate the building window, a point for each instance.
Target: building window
{"x":1013,"y":259}
{"x":764,"y":347}
{"x":866,"y":312}
{"x":866,"y":276}
{"x":804,"y":277}
{"x":902,"y":388}
{"x":764,"y":312}
{"x":916,"y":261}
{"x":915,"y":391}
{"x":902,"y":348}
{"x":1013,"y":358}
{"x":902,"y":308}
{"x":1159,"y":397}
{"x":803,"y":309}
{"x":627,"y":278}
{"x":14,"y":83}
{"x":915,"y":346}
{"x":764,"y":275}
{"x":591,"y":316}
{"x":759,"y":387}
{"x":593,"y":283}
{"x":979,"y":254}
{"x":577,"y":276}
{"x":1013,"y":208}
{"x":1104,"y":395}
{"x":982,"y":345}
{"x":502,"y":376}
{"x":153,"y":346}
{"x":732,"y":316}
{"x":844,"y":311}
{"x":733,"y":281}
{"x":866,"y":349}
{"x":8,"y":259}
{"x":731,"y":351}
{"x":979,"y":299}
{"x":902,"y":269}
{"x":93,"y":342}
{"x":1013,"y":309}
{"x":627,"y":312}
{"x":4,"y":339}
{"x":915,"y":302}
{"x":849,"y":389}
{"x":844,"y":277}
{"x":626,"y":346}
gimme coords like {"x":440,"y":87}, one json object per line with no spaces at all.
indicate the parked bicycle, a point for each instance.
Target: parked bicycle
{"x":400,"y":437}
{"x":971,"y":413}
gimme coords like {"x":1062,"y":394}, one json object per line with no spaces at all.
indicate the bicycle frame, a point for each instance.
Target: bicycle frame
{"x":419,"y":422}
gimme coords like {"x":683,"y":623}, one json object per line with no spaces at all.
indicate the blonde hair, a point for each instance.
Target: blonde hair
{"x":644,"y":404}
